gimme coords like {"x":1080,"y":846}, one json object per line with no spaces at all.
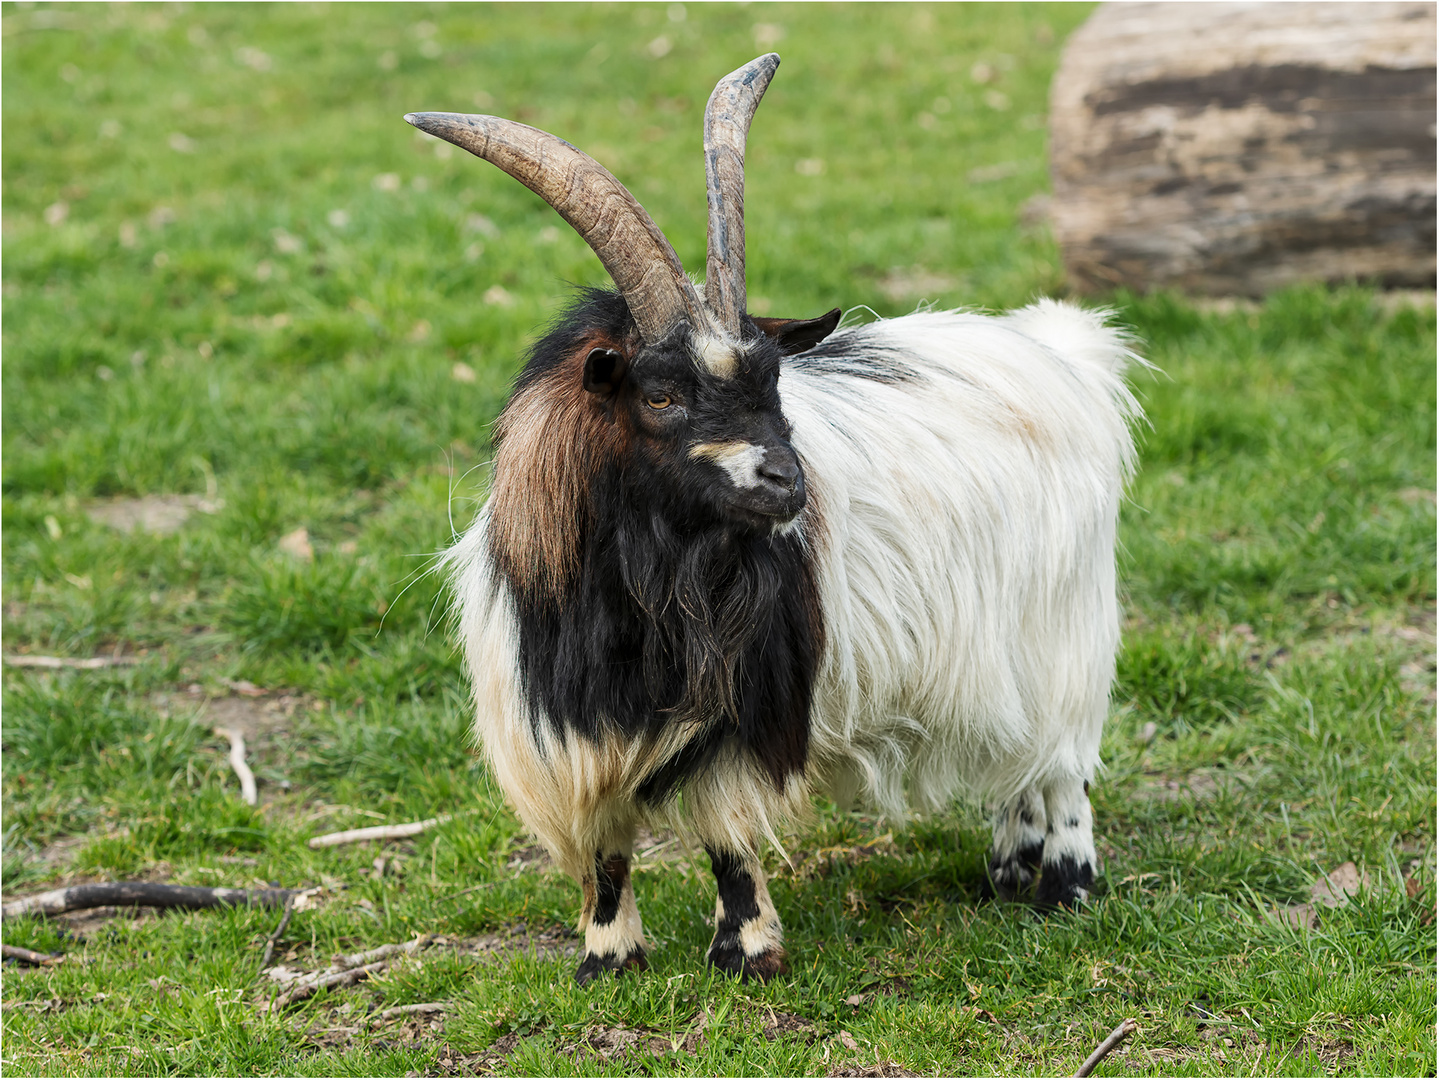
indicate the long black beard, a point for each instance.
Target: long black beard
{"x":678,"y":617}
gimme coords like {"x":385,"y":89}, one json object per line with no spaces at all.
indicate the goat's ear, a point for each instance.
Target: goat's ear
{"x":799,"y":335}
{"x":604,"y":371}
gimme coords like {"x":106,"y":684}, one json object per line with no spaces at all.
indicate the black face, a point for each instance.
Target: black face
{"x":716,"y":439}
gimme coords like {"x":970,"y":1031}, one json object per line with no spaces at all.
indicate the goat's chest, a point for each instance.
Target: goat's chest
{"x":720,"y":634}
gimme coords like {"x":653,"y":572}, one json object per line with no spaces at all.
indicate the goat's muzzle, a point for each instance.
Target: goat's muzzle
{"x":778,"y":493}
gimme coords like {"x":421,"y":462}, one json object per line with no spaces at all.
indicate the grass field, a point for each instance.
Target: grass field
{"x":242,"y":295}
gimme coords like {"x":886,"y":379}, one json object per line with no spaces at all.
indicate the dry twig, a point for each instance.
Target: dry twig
{"x":324,"y":981}
{"x":237,"y":762}
{"x":472,"y":888}
{"x":29,"y":956}
{"x":279,"y":930}
{"x":1104,"y":1049}
{"x":142,"y":894}
{"x":409,"y":1010}
{"x":377,"y":832}
{"x":381,"y":952}
{"x":89,"y":663}
{"x":342,"y":970}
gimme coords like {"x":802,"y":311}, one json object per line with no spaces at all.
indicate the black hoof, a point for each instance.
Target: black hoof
{"x":1006,"y":881}
{"x":592,"y":966}
{"x":1064,"y":884}
{"x":1009,"y":878}
{"x":731,"y":959}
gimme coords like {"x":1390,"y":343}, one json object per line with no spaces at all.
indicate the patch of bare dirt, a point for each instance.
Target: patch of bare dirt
{"x":786,"y":1025}
{"x":652,"y":849}
{"x":265,"y":718}
{"x":256,"y":712}
{"x":339,"y":1030}
{"x":898,"y":986}
{"x":879,"y":1068}
{"x":84,"y":924}
{"x":530,"y":857}
{"x":659,"y":848}
{"x":57,"y":855}
{"x":516,"y":939}
{"x":161,"y":515}
{"x":820,"y":862}
{"x":1332,"y":1052}
{"x":489,"y":1059}
{"x":609,"y":1043}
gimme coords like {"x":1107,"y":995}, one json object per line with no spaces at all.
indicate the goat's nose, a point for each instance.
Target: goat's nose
{"x":781,"y":469}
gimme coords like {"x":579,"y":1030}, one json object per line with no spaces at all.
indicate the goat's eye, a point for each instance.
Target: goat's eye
{"x":659,"y":401}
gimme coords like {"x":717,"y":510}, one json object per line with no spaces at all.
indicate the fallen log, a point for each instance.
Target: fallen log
{"x":141,"y":894}
{"x":29,"y":956}
{"x":1233,"y":149}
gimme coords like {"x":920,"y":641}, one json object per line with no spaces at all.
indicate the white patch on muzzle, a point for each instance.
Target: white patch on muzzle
{"x":741,"y":460}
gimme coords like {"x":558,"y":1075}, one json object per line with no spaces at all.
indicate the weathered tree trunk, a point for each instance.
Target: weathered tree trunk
{"x":1234,"y":148}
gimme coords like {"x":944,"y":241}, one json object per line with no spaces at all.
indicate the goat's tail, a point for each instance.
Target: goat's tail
{"x":1084,"y":335}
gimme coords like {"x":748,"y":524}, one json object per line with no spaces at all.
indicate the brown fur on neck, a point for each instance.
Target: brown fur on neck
{"x":551,"y":440}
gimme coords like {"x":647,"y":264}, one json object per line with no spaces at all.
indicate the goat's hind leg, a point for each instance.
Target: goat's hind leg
{"x":614,"y":936}
{"x":748,"y":941}
{"x":1018,"y":844}
{"x":1069,"y":855}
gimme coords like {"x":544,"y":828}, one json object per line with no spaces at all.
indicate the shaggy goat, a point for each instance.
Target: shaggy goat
{"x":729,"y":561}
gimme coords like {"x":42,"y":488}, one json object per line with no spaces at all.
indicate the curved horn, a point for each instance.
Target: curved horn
{"x":607,"y":217}
{"x":727,"y":118}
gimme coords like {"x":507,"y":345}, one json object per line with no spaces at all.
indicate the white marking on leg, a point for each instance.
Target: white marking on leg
{"x":622,"y":935}
{"x":761,"y":934}
{"x":1069,"y":837}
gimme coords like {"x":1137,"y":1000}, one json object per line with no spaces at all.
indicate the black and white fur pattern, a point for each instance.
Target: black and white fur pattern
{"x":939,"y":620}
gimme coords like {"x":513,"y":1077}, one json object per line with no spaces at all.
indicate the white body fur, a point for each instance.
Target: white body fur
{"x":967,"y":562}
{"x":963,"y":524}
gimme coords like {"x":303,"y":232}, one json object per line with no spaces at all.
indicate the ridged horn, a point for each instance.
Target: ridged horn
{"x":727,"y":118}
{"x":586,"y":194}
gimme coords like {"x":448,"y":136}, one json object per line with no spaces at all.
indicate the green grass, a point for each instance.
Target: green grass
{"x":269,"y":319}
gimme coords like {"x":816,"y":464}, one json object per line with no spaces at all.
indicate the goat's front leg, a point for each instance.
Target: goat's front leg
{"x":748,"y":941}
{"x":614,"y":938}
{"x":1019,"y":830}
{"x":1069,"y":855}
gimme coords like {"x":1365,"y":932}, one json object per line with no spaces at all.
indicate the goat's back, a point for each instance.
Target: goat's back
{"x":965,"y":474}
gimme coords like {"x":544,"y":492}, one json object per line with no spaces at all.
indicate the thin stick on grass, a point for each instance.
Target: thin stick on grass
{"x":279,"y":930}
{"x":408,"y":1010}
{"x":29,"y":956}
{"x":342,"y":962}
{"x":237,"y":762}
{"x":377,"y":832}
{"x":142,"y":894}
{"x":88,"y":663}
{"x":328,"y":980}
{"x":1104,"y":1049}
{"x":472,"y":888}
{"x":381,"y":952}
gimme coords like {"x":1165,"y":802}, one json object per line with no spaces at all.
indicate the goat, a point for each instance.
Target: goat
{"x":727,"y":561}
